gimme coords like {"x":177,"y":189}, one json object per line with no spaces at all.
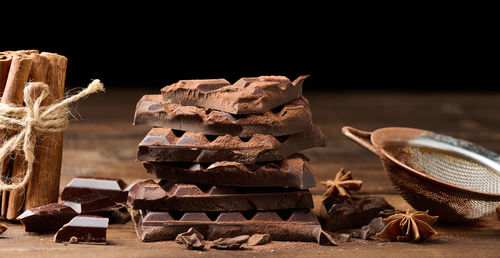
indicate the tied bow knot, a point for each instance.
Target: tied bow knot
{"x":31,"y":120}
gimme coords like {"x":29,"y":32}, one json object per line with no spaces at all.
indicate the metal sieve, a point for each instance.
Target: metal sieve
{"x":452,"y":178}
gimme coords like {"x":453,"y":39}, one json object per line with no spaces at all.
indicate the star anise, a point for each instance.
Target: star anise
{"x":412,"y":226}
{"x":341,"y":185}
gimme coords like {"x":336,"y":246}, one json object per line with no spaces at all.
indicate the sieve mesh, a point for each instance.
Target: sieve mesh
{"x":454,"y":170}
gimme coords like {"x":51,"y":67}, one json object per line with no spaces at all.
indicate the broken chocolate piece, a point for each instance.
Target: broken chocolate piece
{"x":3,"y":228}
{"x":233,"y":243}
{"x":254,"y":95}
{"x":291,"y":225}
{"x":166,"y":195}
{"x":90,"y":203}
{"x":46,"y":218}
{"x":376,"y":225}
{"x":259,"y":239}
{"x":292,"y":172}
{"x":167,"y":145}
{"x":192,"y":239}
{"x":290,"y":118}
{"x":340,"y":212}
{"x":323,"y":237}
{"x":344,"y":237}
{"x":109,"y":187}
{"x":100,"y":205}
{"x":87,"y":229}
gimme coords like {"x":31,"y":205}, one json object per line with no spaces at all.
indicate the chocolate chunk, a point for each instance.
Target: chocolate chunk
{"x":364,"y":233}
{"x":167,"y":145}
{"x":192,"y":239}
{"x":254,"y":95}
{"x":90,"y":203}
{"x":292,"y":172}
{"x":288,"y":225}
{"x":344,"y":237}
{"x":87,"y":229}
{"x":341,"y":212}
{"x":323,"y":237}
{"x":259,"y":239}
{"x":376,"y":225}
{"x":46,"y":218}
{"x":109,"y":187}
{"x":3,"y":228}
{"x":100,"y":205}
{"x":230,"y":243}
{"x":166,"y":195}
{"x":290,"y":118}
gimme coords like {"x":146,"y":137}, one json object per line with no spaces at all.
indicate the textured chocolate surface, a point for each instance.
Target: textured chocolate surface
{"x":167,"y":145}
{"x":87,"y":229}
{"x":113,"y":188}
{"x":166,"y":196}
{"x":341,"y":212}
{"x":290,"y":118}
{"x":292,"y":225}
{"x":254,"y":95}
{"x":46,"y":218}
{"x":292,"y":172}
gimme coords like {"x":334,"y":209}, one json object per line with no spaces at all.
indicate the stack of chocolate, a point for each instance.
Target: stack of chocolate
{"x":226,"y":160}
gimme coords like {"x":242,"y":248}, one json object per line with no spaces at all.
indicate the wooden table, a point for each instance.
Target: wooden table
{"x":103,"y":143}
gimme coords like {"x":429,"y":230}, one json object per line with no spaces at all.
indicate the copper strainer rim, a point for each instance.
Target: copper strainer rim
{"x":366,"y":140}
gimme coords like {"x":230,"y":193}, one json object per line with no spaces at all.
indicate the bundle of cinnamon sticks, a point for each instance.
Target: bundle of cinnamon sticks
{"x":16,"y":69}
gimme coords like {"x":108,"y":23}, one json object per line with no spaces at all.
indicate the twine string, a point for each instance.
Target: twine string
{"x":32,"y":120}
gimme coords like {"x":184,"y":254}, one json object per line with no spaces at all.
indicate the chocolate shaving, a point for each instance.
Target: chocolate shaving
{"x":342,"y":184}
{"x":414,"y":226}
{"x":230,"y":243}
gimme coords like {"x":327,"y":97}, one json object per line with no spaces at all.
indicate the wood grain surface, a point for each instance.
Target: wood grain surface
{"x":103,"y":142}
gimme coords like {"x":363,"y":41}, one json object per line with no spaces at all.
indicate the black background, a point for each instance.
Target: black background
{"x":342,"y":49}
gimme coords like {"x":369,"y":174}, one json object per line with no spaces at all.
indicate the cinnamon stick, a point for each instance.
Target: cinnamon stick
{"x":5,"y":60}
{"x":13,"y":94}
{"x":38,"y":73}
{"x":26,"y":52}
{"x":44,"y":185}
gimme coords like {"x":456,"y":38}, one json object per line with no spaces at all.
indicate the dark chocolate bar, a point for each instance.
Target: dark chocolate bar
{"x":167,"y":145}
{"x":113,"y":188}
{"x":292,"y":172}
{"x":166,"y":195}
{"x":254,"y":95}
{"x":87,"y":229}
{"x":290,"y":225}
{"x":46,"y":218}
{"x":290,"y":118}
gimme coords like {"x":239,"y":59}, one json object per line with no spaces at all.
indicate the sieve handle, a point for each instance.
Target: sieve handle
{"x":360,"y":137}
